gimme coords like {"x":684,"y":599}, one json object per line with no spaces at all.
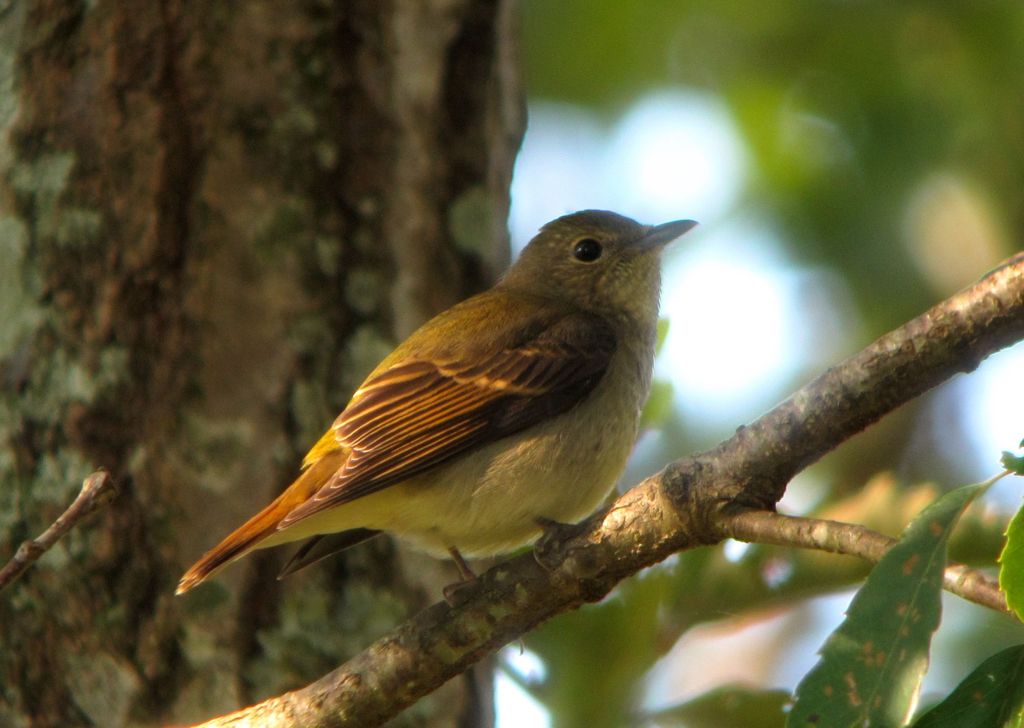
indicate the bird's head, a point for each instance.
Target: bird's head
{"x":598,"y":261}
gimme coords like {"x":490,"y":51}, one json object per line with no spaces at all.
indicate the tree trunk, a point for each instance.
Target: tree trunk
{"x":214,"y":220}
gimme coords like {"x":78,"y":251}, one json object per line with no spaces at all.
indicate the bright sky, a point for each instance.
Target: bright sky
{"x":994,"y":411}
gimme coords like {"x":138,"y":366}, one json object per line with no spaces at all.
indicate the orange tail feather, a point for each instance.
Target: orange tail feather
{"x":264,"y":524}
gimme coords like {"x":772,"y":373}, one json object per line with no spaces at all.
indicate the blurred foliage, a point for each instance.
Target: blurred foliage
{"x":991,"y":697}
{"x":852,"y":111}
{"x":1011,"y":565}
{"x":886,"y":143}
{"x":658,"y":407}
{"x":1013,"y":462}
{"x":727,"y":706}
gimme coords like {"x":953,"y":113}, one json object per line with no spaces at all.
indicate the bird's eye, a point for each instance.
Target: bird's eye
{"x":588,"y":250}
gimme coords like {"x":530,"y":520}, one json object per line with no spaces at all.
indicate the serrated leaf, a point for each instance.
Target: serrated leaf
{"x":871,"y":666}
{"x":728,"y":706}
{"x":1011,"y":565}
{"x":990,"y":697}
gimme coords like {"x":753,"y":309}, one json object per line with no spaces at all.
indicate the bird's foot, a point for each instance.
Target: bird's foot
{"x":545,"y":551}
{"x":457,"y":592}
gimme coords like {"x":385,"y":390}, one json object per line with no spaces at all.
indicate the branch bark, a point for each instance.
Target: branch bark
{"x":688,"y":504}
{"x":855,"y":540}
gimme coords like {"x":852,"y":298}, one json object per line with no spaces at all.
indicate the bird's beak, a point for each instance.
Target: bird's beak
{"x":658,"y":236}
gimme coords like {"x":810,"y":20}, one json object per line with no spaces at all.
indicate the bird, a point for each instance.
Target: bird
{"x":511,"y":411}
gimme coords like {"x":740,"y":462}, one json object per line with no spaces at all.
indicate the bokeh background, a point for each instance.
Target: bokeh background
{"x":851,"y":164}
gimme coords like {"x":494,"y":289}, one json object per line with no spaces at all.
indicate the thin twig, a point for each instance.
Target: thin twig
{"x":98,"y":489}
{"x":768,"y":527}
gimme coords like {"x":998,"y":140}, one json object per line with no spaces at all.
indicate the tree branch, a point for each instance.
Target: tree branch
{"x":682,"y":507}
{"x":836,"y":537}
{"x":98,"y":489}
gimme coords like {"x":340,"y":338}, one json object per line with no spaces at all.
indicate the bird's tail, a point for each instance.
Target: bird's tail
{"x":264,"y":524}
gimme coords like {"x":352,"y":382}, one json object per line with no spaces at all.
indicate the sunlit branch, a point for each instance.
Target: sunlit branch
{"x":679,"y":508}
{"x":768,"y":527}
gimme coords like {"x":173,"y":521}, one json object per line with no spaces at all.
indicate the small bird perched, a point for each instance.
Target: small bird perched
{"x":513,"y":409}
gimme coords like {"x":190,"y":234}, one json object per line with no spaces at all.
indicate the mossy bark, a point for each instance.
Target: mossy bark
{"x":214,"y":220}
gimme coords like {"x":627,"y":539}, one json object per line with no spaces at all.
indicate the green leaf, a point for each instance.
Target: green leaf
{"x":658,"y":406}
{"x":871,"y":666}
{"x":662,"y":334}
{"x":1011,"y":565}
{"x":1012,"y":462}
{"x":727,"y":706}
{"x":595,"y":657}
{"x":990,"y":697}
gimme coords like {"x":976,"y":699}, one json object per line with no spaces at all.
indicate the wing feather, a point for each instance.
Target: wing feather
{"x":420,"y":412}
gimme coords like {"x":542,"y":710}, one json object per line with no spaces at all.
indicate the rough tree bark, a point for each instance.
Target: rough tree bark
{"x":214,"y":219}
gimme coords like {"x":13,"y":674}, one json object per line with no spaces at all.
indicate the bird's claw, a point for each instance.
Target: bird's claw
{"x":547,"y":551}
{"x":458,"y":592}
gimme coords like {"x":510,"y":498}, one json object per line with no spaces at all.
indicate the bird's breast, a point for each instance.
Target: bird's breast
{"x":488,"y":501}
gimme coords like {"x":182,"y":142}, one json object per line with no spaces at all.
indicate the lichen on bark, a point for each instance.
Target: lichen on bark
{"x":211,"y":230}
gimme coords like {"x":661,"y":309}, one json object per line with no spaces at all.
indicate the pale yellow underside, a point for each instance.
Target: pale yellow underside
{"x":488,"y":502}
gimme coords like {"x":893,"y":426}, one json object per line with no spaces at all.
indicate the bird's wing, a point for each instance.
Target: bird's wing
{"x":420,"y":412}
